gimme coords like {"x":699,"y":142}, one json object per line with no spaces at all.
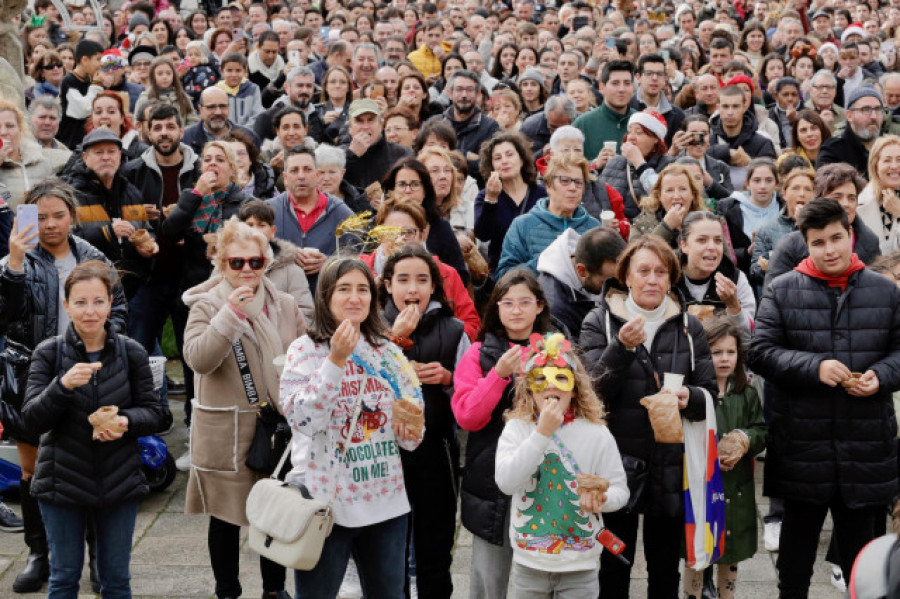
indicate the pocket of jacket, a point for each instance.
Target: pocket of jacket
{"x":214,"y":440}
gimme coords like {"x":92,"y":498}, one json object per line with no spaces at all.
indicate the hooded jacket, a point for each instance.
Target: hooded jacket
{"x":754,"y":144}
{"x":531,"y":233}
{"x":145,"y":174}
{"x":568,"y":300}
{"x":245,"y":105}
{"x":72,"y":469}
{"x":625,"y":377}
{"x":824,"y":442}
{"x":471,"y":134}
{"x":288,"y":277}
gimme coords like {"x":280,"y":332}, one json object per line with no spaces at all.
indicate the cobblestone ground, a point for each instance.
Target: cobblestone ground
{"x":170,"y":557}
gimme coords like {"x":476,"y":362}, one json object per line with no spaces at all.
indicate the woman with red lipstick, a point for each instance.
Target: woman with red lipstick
{"x":421,"y":322}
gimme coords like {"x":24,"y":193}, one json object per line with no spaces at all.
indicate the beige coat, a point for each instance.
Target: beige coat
{"x":16,"y":178}
{"x":223,"y":421}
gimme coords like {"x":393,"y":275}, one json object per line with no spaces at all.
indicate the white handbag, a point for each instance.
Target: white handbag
{"x":287,"y":525}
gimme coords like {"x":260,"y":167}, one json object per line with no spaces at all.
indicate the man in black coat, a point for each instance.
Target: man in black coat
{"x":734,"y":135}
{"x":827,"y":338}
{"x":865,"y":115}
{"x":472,"y":127}
{"x":369,"y":156}
{"x":558,"y":112}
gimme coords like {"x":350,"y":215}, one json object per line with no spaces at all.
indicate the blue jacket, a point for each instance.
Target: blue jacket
{"x":531,"y":233}
{"x":320,"y":236}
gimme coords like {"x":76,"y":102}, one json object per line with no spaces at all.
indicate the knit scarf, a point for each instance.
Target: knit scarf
{"x":231,"y":91}
{"x":808,"y":268}
{"x":208,"y":216}
{"x":271,"y":73}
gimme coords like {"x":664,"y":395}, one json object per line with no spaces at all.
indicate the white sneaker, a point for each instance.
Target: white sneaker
{"x":413,"y":589}
{"x":837,"y":579}
{"x":183,"y":463}
{"x":350,"y":586}
{"x":771,"y":535}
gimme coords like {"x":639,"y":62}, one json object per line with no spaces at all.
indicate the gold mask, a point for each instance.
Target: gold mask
{"x":560,"y":378}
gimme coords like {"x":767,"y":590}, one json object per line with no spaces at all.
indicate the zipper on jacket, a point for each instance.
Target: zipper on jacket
{"x":452,"y":470}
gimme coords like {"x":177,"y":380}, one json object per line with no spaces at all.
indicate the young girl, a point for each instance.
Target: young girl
{"x":739,"y":419}
{"x":422,"y":323}
{"x":555,"y":433}
{"x":165,"y":87}
{"x":342,"y":371}
{"x":483,"y":391}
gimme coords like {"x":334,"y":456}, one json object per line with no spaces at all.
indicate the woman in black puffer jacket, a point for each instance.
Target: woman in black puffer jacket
{"x":89,"y":474}
{"x":640,"y":331}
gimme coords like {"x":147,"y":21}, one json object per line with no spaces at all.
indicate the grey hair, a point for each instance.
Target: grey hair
{"x":327,"y":155}
{"x":394,"y":22}
{"x":465,"y":74}
{"x":565,"y":133}
{"x":887,"y":77}
{"x":300,"y":71}
{"x":364,"y":46}
{"x":281,"y":22}
{"x":561,"y":104}
{"x":46,"y":102}
{"x":688,"y":161}
{"x":825,"y":73}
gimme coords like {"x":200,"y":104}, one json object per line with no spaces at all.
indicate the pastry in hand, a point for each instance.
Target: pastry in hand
{"x":665,"y":417}
{"x":732,"y":447}
{"x":106,"y":418}
{"x":593,"y":485}
{"x":142,"y":239}
{"x":852,"y":381}
{"x":408,"y":413}
{"x":167,"y":210}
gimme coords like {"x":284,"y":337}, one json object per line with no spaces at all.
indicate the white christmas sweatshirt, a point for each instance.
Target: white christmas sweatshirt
{"x":548,"y":530}
{"x":318,"y":399}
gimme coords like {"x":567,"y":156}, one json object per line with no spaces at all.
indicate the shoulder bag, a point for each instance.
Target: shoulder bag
{"x":287,"y":525}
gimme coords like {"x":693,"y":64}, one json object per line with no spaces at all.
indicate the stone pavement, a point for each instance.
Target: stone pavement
{"x":170,"y":556}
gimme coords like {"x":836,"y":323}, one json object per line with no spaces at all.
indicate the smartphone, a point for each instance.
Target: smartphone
{"x":579,"y":22}
{"x":611,"y":42}
{"x":377,"y":91}
{"x":238,"y":33}
{"x":27,"y":215}
{"x":294,"y":56}
{"x":697,"y":138}
{"x":665,"y":55}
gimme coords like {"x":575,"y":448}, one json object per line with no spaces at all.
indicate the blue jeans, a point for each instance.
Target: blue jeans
{"x":379,"y":551}
{"x":65,"y":527}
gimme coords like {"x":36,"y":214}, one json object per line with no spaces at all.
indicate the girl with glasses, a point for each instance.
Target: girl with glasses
{"x":238,"y":324}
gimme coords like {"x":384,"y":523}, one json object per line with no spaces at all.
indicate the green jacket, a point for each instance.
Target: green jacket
{"x":740,"y":411}
{"x":600,"y":125}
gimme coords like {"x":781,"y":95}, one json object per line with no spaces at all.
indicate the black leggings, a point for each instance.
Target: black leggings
{"x":224,"y":541}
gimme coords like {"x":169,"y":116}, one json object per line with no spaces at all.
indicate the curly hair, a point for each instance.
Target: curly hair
{"x":653,"y":202}
{"x":523,"y":148}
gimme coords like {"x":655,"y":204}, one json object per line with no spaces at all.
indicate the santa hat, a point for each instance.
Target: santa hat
{"x":652,"y":121}
{"x":853,"y":29}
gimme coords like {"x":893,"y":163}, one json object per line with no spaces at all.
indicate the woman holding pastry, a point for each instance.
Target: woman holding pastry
{"x":639,"y":332}
{"x":90,"y":474}
{"x":351,"y":398}
{"x":422,"y":324}
{"x":560,"y":464}
{"x":238,"y":324}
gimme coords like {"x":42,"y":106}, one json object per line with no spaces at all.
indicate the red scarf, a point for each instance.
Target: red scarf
{"x":808,"y":268}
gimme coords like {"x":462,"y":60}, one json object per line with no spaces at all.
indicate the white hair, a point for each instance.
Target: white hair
{"x":327,"y":155}
{"x":565,"y":133}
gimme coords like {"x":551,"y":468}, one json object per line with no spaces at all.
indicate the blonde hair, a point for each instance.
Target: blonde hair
{"x":199,"y":45}
{"x":225,"y":146}
{"x":585,"y":402}
{"x":561,"y":162}
{"x":874,"y":155}
{"x":653,"y":202}
{"x":448,"y":205}
{"x":6,"y":106}
{"x":801,"y":172}
{"x":235,"y":231}
{"x":510,"y":95}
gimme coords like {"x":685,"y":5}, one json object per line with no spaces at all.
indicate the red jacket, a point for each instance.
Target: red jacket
{"x":457,"y":295}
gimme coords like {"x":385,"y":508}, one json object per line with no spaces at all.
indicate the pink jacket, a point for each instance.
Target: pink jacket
{"x":475,"y":395}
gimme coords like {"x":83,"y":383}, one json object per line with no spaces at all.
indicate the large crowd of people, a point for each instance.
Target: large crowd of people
{"x":482,"y":240}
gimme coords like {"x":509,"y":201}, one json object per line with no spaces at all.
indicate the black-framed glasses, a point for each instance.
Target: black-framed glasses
{"x":50,"y":67}
{"x":238,"y":263}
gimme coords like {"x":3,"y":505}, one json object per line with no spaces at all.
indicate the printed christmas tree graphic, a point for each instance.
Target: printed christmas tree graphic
{"x":552,"y":519}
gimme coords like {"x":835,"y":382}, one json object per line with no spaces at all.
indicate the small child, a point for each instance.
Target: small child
{"x":202,"y":71}
{"x":742,"y":435}
{"x":77,"y":91}
{"x":244,"y":99}
{"x":555,"y":440}
{"x":165,"y":87}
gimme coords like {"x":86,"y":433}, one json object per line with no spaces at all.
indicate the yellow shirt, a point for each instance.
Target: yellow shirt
{"x":425,"y":61}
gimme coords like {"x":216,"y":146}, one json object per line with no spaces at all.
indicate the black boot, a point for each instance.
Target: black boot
{"x":37,"y":567}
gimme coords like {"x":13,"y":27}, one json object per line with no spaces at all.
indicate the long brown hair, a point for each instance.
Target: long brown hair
{"x":324,"y":324}
{"x":517,"y":276}
{"x":181,"y":99}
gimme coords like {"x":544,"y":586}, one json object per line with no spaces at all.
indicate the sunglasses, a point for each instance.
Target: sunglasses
{"x":238,"y":263}
{"x":50,"y":67}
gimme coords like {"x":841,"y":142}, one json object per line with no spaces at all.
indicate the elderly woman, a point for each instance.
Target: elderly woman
{"x":643,"y":157}
{"x":710,"y":277}
{"x":47,"y":72}
{"x":22,"y":162}
{"x":879,"y":202}
{"x":331,"y":162}
{"x":511,"y":189}
{"x":238,"y":324}
{"x":215,"y":198}
{"x":674,"y":194}
{"x":642,"y":321}
{"x":87,"y":477}
{"x":530,"y":234}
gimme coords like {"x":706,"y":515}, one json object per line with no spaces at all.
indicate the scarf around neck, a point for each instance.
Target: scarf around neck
{"x":808,"y":268}
{"x":256,"y":65}
{"x":208,"y":216}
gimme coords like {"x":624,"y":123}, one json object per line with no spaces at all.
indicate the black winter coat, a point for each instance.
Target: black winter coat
{"x":536,"y":129}
{"x":822,"y":440}
{"x":755,"y":144}
{"x":177,"y":226}
{"x":845,"y":147}
{"x":791,"y":250}
{"x":72,"y":469}
{"x":615,"y":174}
{"x":624,"y":378}
{"x":471,"y":134}
{"x":372,"y":166}
{"x":145,"y":174}
{"x":568,"y":306}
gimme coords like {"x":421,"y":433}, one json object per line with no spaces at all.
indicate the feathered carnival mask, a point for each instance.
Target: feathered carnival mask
{"x":551,"y":363}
